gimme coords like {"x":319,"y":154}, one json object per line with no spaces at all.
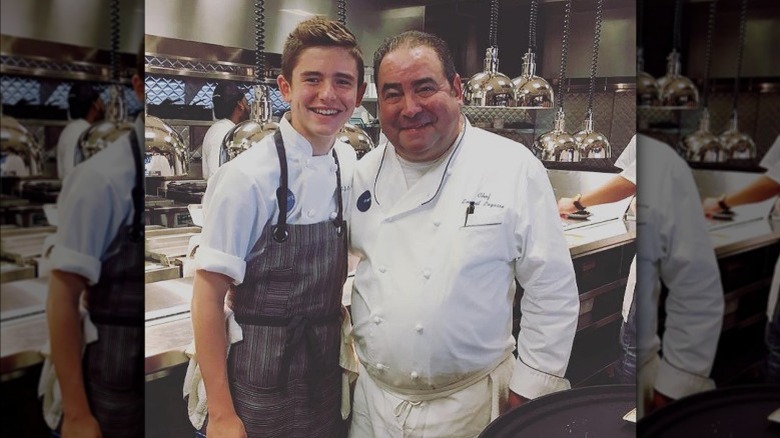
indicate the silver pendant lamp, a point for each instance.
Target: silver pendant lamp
{"x":559,"y":144}
{"x":702,"y":145}
{"x":677,"y":91}
{"x":17,"y":144}
{"x":593,"y":144}
{"x":490,"y":87}
{"x":738,"y":145}
{"x":104,"y":132}
{"x":532,"y":91}
{"x":245,"y":134}
{"x":352,"y":134}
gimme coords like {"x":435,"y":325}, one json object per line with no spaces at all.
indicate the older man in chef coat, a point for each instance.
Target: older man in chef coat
{"x":445,"y":217}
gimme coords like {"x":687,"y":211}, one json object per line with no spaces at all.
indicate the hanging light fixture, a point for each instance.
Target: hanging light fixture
{"x":593,"y":144}
{"x":489,"y":87}
{"x":21,"y":154}
{"x":161,"y":139}
{"x":648,"y":93}
{"x":104,"y":132}
{"x":242,"y":136}
{"x":558,"y":144}
{"x":738,"y":145}
{"x":703,"y":145}
{"x":531,"y":91}
{"x":352,"y":134}
{"x":677,"y":91}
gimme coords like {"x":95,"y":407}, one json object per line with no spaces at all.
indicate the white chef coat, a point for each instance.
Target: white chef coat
{"x":627,"y":162}
{"x":159,"y":165}
{"x":212,"y":143}
{"x":66,"y":146}
{"x":13,"y":165}
{"x":240,"y":198}
{"x":771,"y":162}
{"x":674,"y":246}
{"x":95,"y":201}
{"x":432,"y":298}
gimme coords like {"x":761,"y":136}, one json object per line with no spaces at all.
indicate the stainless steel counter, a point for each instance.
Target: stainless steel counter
{"x":22,"y":340}
{"x":588,"y":239}
{"x":729,"y":239}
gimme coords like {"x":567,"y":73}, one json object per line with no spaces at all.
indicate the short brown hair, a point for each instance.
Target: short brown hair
{"x":411,"y":39}
{"x":319,"y":32}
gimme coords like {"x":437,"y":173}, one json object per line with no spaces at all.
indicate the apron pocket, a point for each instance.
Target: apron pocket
{"x":276,"y":297}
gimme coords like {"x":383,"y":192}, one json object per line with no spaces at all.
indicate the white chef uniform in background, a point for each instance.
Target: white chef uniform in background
{"x":212,"y":143}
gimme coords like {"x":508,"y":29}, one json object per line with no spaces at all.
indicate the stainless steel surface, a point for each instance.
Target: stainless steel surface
{"x":737,"y":144}
{"x":557,"y":145}
{"x":245,"y":134}
{"x":677,"y":91}
{"x":13,"y":272}
{"x":532,"y":91}
{"x":165,"y":342}
{"x":22,"y":340}
{"x":16,"y":143}
{"x":23,"y":298}
{"x":703,"y":145}
{"x":490,"y":87}
{"x":165,"y":249}
{"x":594,"y":238}
{"x":592,"y":144}
{"x":167,"y":298}
{"x":741,"y":237}
{"x":357,"y":138}
{"x":154,"y":272}
{"x":648,"y":93}
{"x":21,"y":248}
{"x":169,"y":142}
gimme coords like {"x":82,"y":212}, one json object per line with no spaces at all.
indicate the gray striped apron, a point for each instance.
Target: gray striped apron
{"x":285,"y":378}
{"x":113,"y":365}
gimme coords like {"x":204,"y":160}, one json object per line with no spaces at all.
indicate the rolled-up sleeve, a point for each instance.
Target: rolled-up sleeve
{"x":234,"y":214}
{"x":550,"y":303}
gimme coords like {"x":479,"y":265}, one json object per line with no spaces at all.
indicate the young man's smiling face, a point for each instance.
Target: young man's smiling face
{"x":322,"y":93}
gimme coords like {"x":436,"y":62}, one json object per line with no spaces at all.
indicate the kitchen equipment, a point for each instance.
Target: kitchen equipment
{"x":162,"y":140}
{"x":558,"y":144}
{"x":531,"y":91}
{"x":242,"y":136}
{"x":737,"y":411}
{"x":20,"y":153}
{"x":595,"y":411}
{"x":489,"y":87}
{"x":677,"y":91}
{"x":593,"y":144}
{"x":703,"y":145}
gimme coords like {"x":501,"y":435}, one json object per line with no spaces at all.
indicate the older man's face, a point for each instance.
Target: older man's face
{"x":418,"y":109}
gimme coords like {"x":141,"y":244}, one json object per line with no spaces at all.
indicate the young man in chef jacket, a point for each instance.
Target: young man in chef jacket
{"x":230,"y":109}
{"x":445,"y":217}
{"x":764,"y":187}
{"x":673,"y":246}
{"x":272,"y":258}
{"x":85,"y":108}
{"x":99,"y":250}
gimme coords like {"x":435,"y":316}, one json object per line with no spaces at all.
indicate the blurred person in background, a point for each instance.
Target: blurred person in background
{"x":230,"y":109}
{"x":617,"y":188}
{"x":764,"y":187}
{"x":96,"y":361}
{"x":673,"y":247}
{"x":85,"y":108}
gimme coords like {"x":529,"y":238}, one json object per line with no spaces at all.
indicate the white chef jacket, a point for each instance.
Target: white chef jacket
{"x":627,"y":162}
{"x":160,"y":166}
{"x":66,"y":146}
{"x":674,"y":246}
{"x":212,"y":143}
{"x":95,"y":201}
{"x":240,"y":198}
{"x":432,"y":298}
{"x":13,"y":165}
{"x":771,"y":162}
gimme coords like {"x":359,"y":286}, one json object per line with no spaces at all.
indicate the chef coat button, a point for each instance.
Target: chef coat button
{"x":310,"y":213}
{"x":427,"y":273}
{"x":333,"y":168}
{"x":419,"y":328}
{"x":436,"y":223}
{"x":377,"y":320}
{"x":382,"y":269}
{"x":333,"y":215}
{"x":449,"y":172}
{"x":414,"y":375}
{"x":380,"y":366}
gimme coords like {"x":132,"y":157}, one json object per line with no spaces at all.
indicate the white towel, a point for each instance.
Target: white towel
{"x":49,"y":386}
{"x":194,"y":389}
{"x":348,"y":360}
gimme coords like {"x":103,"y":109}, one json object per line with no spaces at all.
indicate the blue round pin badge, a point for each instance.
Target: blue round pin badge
{"x":290,"y":201}
{"x":364,"y":201}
